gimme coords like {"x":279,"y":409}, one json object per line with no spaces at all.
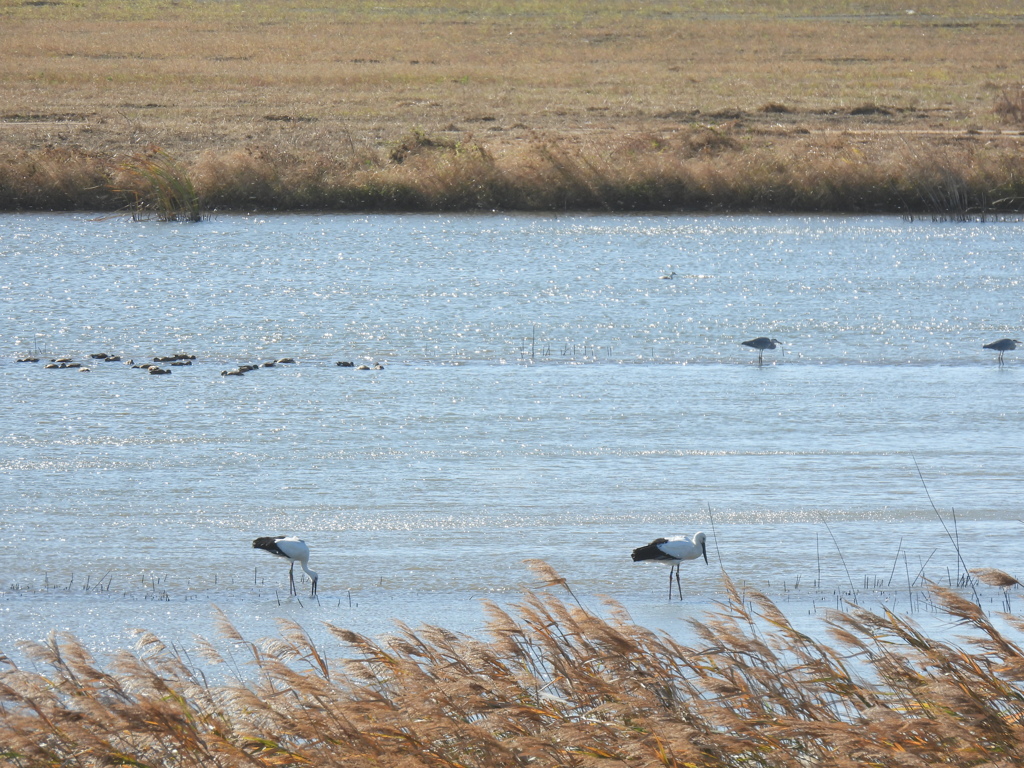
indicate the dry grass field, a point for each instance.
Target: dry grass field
{"x":414,"y":104}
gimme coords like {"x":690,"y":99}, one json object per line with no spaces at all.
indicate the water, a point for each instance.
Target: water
{"x":544,"y":395}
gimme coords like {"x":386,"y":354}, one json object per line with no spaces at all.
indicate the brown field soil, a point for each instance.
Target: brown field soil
{"x":803,"y":105}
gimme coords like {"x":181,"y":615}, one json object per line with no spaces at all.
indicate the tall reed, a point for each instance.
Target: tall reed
{"x":698,"y":169}
{"x":160,"y":186}
{"x":552,"y":684}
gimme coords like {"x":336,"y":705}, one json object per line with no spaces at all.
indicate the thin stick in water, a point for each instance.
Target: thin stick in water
{"x":895,"y":560}
{"x":956,"y":544}
{"x":910,"y":591}
{"x":715,"y":534}
{"x":841,"y":558}
{"x":920,"y":574}
{"x":817,"y":552}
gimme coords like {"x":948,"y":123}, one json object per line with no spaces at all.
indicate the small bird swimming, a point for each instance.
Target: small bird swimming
{"x":1003,"y":345}
{"x":673,"y":551}
{"x":293,"y":549}
{"x":761,"y":343}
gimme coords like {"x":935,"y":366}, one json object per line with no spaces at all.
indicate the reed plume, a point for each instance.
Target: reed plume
{"x":550,"y":683}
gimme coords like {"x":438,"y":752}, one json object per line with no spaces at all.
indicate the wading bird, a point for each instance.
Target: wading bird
{"x":761,"y":343}
{"x":1001,"y":346}
{"x":291,"y":548}
{"x":673,"y":552}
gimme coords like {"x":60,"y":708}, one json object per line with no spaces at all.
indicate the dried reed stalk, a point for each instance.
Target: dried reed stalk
{"x":160,"y":186}
{"x":552,"y":684}
{"x":680,"y":173}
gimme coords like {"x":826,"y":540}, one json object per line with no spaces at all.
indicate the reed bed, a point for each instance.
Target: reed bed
{"x":551,"y":684}
{"x":697,"y":169}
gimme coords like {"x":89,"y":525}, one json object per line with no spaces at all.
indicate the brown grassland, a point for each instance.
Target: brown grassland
{"x":551,"y":685}
{"x":767,"y":105}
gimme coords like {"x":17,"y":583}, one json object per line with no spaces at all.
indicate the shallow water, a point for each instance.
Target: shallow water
{"x":544,"y":395}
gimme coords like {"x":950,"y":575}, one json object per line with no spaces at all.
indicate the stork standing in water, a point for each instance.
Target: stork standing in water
{"x":1001,"y":346}
{"x":673,"y":552}
{"x":293,"y":549}
{"x":761,"y":343}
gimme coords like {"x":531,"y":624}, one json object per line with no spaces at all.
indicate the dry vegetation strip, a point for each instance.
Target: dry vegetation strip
{"x":554,"y":685}
{"x":807,"y":105}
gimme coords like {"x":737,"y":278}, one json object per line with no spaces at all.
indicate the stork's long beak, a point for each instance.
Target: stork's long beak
{"x":704,"y":551}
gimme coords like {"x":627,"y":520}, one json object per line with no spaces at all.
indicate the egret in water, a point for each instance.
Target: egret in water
{"x":1001,"y":346}
{"x":293,"y":549}
{"x":673,"y":551}
{"x":761,"y":343}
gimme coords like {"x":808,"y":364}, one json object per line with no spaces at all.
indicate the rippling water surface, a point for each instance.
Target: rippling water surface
{"x":544,"y":394}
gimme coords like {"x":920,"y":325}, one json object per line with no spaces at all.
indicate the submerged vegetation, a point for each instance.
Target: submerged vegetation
{"x":554,"y":685}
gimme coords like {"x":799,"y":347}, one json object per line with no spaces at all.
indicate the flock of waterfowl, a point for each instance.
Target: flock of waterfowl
{"x":178,"y":360}
{"x":761,"y":343}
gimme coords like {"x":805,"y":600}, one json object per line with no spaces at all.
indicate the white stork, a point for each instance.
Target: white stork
{"x":293,"y":549}
{"x":673,"y":551}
